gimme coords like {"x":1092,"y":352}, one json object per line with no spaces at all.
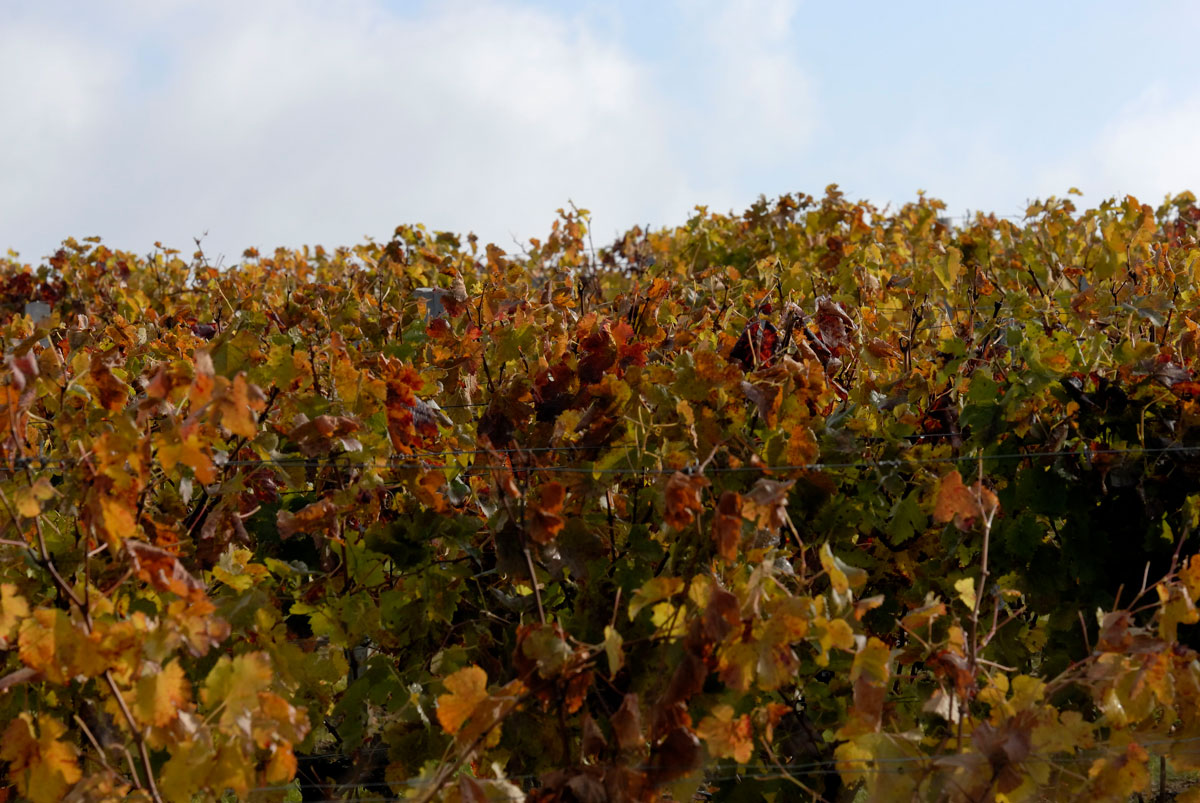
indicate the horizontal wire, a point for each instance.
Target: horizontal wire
{"x":814,"y":767}
{"x":405,"y":463}
{"x":880,"y":766}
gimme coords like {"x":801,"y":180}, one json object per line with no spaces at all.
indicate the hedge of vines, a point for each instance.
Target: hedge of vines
{"x":817,"y":501}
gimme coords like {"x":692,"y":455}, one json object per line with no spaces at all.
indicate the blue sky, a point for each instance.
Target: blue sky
{"x":284,"y":122}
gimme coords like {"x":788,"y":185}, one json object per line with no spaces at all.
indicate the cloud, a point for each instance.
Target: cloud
{"x":52,"y":95}
{"x":1146,"y":149}
{"x":286,"y":123}
{"x":1150,"y":148}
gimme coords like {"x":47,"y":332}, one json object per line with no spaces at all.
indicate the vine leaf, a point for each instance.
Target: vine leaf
{"x":160,"y":696}
{"x":627,"y":724}
{"x":965,"y":505}
{"x":467,"y":689}
{"x":726,"y":735}
{"x":613,"y":650}
{"x":766,"y":504}
{"x":654,"y":590}
{"x":544,"y":519}
{"x":56,"y":646}
{"x":727,"y":525}
{"x":683,"y":499}
{"x":42,"y":767}
{"x":13,"y":609}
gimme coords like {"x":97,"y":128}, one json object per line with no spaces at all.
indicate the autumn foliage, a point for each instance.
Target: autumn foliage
{"x":819,"y":500}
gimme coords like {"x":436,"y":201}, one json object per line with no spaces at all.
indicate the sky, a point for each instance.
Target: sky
{"x":290,"y":122}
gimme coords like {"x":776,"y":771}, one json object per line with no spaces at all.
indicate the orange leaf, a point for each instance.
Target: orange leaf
{"x":162,"y":569}
{"x":237,"y":405}
{"x":727,"y":736}
{"x":961,"y":503}
{"x":545,"y":521}
{"x":282,"y":766}
{"x":189,"y":450}
{"x":118,"y":520}
{"x":468,"y":688}
{"x":202,"y":382}
{"x":111,"y":392}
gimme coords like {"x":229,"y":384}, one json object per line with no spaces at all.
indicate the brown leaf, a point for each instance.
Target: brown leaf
{"x":727,"y":526}
{"x":766,"y":504}
{"x":593,"y":739}
{"x":675,"y":757}
{"x":722,"y":614}
{"x":766,"y":398}
{"x":627,"y":724}
{"x":687,"y":680}
{"x":836,"y":327}
{"x":682,"y":498}
{"x":599,"y":354}
{"x":317,"y":437}
{"x":315,"y":518}
{"x":111,"y":392}
{"x":544,"y":519}
{"x":162,"y":569}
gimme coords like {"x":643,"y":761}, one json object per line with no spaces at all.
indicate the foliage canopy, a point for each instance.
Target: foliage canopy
{"x":812,"y":499}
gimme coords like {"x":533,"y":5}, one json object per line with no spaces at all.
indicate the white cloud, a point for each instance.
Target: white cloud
{"x":282,"y":123}
{"x":52,"y":93}
{"x":1148,"y":150}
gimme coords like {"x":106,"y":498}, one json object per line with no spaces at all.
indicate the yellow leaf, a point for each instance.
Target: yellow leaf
{"x":655,"y":590}
{"x":28,"y":504}
{"x":118,"y":520}
{"x":966,"y":591}
{"x":871,"y":663}
{"x":727,"y":736}
{"x":191,"y":451}
{"x":468,"y":688}
{"x":613,"y":643}
{"x":29,"y":499}
{"x":947,"y":270}
{"x":13,"y":608}
{"x":232,"y":769}
{"x":830,"y":634}
{"x":1120,"y":776}
{"x":42,"y":767}
{"x":869,"y":674}
{"x":670,"y":616}
{"x":1189,"y":795}
{"x":234,"y":685}
{"x":161,"y":696}
{"x":842,"y":576}
{"x":55,"y":646}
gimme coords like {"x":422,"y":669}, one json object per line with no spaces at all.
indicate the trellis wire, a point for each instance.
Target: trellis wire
{"x":885,"y":766}
{"x":406,"y":463}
